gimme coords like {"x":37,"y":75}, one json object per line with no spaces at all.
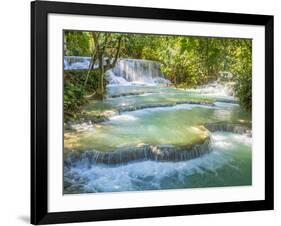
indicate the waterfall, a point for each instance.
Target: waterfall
{"x":133,"y":71}
{"x":125,"y":72}
{"x":76,"y":62}
{"x":113,"y":79}
{"x":217,"y":88}
{"x":123,"y":155}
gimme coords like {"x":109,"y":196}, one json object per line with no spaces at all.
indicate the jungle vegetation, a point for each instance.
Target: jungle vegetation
{"x":186,"y":61}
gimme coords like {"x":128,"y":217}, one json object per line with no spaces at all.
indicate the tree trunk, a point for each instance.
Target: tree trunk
{"x":94,"y":56}
{"x":100,"y":45}
{"x":101,"y":68}
{"x":117,"y":52}
{"x":207,"y":59}
{"x":91,"y":67}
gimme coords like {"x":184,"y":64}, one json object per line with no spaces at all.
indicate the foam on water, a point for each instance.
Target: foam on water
{"x":215,"y":89}
{"x":147,"y":175}
{"x":176,"y":107}
{"x":76,"y":62}
{"x":136,"y":72}
{"x":141,"y":83}
{"x":173,"y":108}
{"x":115,"y":80}
{"x":123,"y":117}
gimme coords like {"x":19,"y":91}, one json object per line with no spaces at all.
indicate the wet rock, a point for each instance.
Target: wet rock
{"x":85,"y":122}
{"x":229,"y":101}
{"x":228,"y":127}
{"x":74,"y":189}
{"x":142,"y":152}
{"x":196,"y":102}
{"x":140,"y":107}
{"x":66,"y":182}
{"x":129,"y":94}
{"x":73,"y":182}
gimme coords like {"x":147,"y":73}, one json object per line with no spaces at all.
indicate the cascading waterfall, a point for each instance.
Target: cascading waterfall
{"x":208,"y":171}
{"x":125,"y":72}
{"x":216,"y":88}
{"x":132,"y":71}
{"x":76,"y":62}
{"x":149,"y":138}
{"x":160,"y":153}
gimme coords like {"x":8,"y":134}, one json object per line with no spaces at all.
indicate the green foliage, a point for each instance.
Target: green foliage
{"x":242,"y":69}
{"x":75,"y":91}
{"x":138,"y":46}
{"x":73,"y":98}
{"x":189,"y":61}
{"x":185,"y":61}
{"x":243,"y":90}
{"x":77,"y":43}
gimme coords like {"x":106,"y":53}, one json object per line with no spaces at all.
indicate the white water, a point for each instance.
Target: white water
{"x":113,"y":79}
{"x":228,"y":164}
{"x":136,"y":72}
{"x":126,"y":71}
{"x":146,"y":175}
{"x":216,"y":88}
{"x":76,"y":62}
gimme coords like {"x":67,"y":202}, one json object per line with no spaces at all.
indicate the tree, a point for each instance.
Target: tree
{"x":76,"y":43}
{"x":186,"y":61}
{"x":242,"y":69}
{"x":105,"y":52}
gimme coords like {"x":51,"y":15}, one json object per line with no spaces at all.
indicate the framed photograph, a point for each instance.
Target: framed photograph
{"x":145,"y":112}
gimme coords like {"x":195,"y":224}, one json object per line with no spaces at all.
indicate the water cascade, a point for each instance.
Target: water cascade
{"x":141,"y":152}
{"x":148,"y":135}
{"x":132,"y":71}
{"x":76,"y":63}
{"x":217,"y":89}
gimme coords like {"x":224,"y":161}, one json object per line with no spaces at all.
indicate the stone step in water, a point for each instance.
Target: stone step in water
{"x":137,"y":153}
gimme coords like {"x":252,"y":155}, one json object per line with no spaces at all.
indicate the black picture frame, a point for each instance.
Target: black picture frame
{"x":39,"y":112}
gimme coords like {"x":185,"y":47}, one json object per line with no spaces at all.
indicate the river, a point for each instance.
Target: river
{"x":156,"y":136}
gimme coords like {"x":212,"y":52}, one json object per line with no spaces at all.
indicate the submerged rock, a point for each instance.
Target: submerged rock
{"x":157,"y":105}
{"x":129,"y":94}
{"x":143,"y":152}
{"x":72,"y":182}
{"x":228,"y":127}
{"x":229,"y":101}
{"x":86,"y":121}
